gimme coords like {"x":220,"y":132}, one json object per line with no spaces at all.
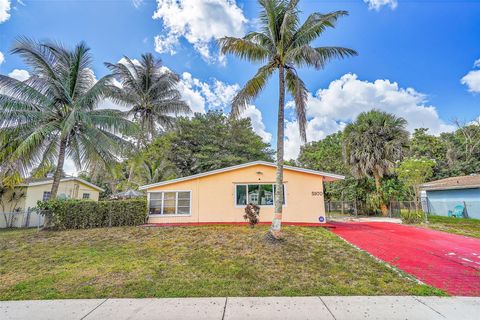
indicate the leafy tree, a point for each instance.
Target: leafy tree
{"x":463,"y":149}
{"x":455,"y":153}
{"x":324,"y":155}
{"x":425,"y":145}
{"x":372,"y":146}
{"x":429,"y":146}
{"x":155,"y":164}
{"x":54,"y":113}
{"x":10,"y":175}
{"x":283,"y":44}
{"x":413,"y":172}
{"x":213,"y":141}
{"x":150,"y":90}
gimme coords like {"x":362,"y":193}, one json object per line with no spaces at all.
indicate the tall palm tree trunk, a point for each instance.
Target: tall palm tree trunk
{"x":56,"y":178}
{"x":58,"y":172}
{"x":277,"y":218}
{"x":378,"y":187}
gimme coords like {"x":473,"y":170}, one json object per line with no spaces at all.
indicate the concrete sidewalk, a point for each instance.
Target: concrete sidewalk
{"x":328,"y":308}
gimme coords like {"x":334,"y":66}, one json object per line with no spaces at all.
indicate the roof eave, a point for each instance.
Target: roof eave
{"x":433,"y":188}
{"x":32,"y":184}
{"x":240,"y":166}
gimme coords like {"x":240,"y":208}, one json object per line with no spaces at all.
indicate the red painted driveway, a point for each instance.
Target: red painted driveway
{"x":443,"y":260}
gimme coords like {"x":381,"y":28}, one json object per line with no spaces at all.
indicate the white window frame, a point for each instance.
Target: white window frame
{"x":161,"y":214}
{"x":86,"y":193}
{"x":260,"y":205}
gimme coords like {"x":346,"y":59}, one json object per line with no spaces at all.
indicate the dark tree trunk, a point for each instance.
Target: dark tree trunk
{"x":275,"y":229}
{"x":58,"y":172}
{"x":378,"y":186}
{"x":56,"y":177}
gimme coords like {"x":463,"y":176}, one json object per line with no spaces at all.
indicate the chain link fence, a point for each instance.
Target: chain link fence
{"x":355,"y":209}
{"x":21,"y":219}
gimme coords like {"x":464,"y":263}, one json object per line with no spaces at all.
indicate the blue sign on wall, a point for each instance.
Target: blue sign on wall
{"x":321,"y":219}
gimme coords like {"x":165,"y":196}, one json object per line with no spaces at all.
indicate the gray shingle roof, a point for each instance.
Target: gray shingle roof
{"x":460,"y":182}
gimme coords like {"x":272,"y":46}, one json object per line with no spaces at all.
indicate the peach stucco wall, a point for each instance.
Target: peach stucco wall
{"x":213,"y":197}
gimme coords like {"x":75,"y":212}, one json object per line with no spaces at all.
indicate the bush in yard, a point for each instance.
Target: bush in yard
{"x":83,"y":214}
{"x":411,"y":217}
{"x":252,"y":213}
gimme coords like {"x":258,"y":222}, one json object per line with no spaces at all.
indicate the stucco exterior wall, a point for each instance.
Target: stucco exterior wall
{"x":72,"y":189}
{"x":213,"y":197}
{"x":440,"y":201}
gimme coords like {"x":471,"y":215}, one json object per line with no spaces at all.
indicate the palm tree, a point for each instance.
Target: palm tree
{"x":54,"y":114}
{"x":150,"y":91}
{"x":372,"y":144}
{"x":283,"y":44}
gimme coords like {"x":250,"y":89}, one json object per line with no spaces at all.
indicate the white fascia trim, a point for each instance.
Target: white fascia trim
{"x":30,"y":184}
{"x":240,"y":166}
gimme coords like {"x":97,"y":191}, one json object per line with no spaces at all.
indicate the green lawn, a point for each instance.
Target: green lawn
{"x":465,"y":227}
{"x":189,"y":261}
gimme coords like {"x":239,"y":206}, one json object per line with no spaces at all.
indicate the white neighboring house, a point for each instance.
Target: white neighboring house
{"x":24,"y":197}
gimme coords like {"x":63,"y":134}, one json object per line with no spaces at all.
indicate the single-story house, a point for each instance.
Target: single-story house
{"x":220,"y":196}
{"x":26,"y":195}
{"x":441,"y":196}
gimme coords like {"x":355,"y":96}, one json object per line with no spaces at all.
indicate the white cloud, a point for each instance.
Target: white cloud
{"x":125,"y":62}
{"x":378,"y":4}
{"x":219,"y":94}
{"x":216,"y":94}
{"x":69,"y":167}
{"x":19,"y":74}
{"x":4,"y":10}
{"x":199,"y":22}
{"x":472,"y":79}
{"x":2,"y":58}
{"x":206,"y":95}
{"x":256,"y":118}
{"x":331,"y":108}
{"x":317,"y":129}
{"x":190,"y":93}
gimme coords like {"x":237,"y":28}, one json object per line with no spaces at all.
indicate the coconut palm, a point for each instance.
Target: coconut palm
{"x":150,"y":90}
{"x":283,"y":44}
{"x":54,"y":114}
{"x":372,"y":144}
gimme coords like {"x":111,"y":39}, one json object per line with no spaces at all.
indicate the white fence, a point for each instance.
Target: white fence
{"x":22,"y":219}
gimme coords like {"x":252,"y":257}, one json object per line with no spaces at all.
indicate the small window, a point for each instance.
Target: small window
{"x":86,"y":196}
{"x":259,"y":194}
{"x":170,"y":203}
{"x":46,"y":195}
{"x":241,"y":195}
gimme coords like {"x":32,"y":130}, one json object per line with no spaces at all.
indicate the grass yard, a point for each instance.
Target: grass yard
{"x":189,"y":261}
{"x":464,"y":227}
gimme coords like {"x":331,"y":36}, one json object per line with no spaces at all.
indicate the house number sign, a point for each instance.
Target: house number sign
{"x":317,"y":193}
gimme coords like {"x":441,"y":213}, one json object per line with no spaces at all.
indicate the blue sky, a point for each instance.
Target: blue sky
{"x":416,"y":58}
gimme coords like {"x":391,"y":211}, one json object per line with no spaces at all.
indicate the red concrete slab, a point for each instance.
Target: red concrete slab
{"x":443,"y":260}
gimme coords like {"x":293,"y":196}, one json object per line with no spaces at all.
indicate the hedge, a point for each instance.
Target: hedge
{"x":83,"y":214}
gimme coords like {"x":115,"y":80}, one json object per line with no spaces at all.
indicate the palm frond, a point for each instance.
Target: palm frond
{"x":263,"y":40}
{"x":244,"y":49}
{"x":252,"y":89}
{"x":314,"y":26}
{"x":298,"y":90}
{"x":289,"y":24}
{"x":317,"y":57}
